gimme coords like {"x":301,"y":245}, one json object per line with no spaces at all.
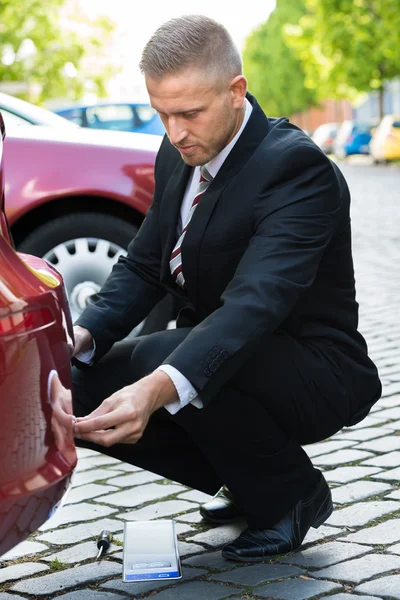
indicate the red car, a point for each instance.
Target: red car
{"x":77,"y":198}
{"x":37,"y":450}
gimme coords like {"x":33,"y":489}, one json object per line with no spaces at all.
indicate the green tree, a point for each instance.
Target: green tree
{"x":348,"y":45}
{"x":275,"y":74}
{"x":45,"y":50}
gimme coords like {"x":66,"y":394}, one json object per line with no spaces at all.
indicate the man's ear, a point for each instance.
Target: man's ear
{"x":238,"y":88}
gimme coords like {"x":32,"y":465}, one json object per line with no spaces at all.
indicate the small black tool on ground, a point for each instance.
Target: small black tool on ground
{"x":103,"y":542}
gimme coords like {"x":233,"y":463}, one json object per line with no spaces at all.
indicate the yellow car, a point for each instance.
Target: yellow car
{"x":385,"y":143}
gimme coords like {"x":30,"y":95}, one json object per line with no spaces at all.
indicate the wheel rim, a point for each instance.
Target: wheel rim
{"x":85,"y":264}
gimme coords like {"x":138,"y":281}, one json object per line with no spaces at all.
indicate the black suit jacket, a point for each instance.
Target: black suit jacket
{"x":268,"y":250}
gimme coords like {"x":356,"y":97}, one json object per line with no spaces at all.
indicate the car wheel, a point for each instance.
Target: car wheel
{"x":84,"y":247}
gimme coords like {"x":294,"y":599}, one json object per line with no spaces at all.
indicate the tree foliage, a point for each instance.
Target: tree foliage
{"x":347,"y":45}
{"x":275,"y":74}
{"x":44,"y":49}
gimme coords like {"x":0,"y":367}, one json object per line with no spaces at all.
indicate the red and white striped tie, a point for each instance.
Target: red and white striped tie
{"x":175,"y":262}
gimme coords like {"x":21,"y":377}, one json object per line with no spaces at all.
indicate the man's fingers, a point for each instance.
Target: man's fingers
{"x":110,"y":437}
{"x":105,"y":421}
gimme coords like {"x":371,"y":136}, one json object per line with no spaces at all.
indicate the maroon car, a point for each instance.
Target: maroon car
{"x":37,"y":451}
{"x":77,"y":198}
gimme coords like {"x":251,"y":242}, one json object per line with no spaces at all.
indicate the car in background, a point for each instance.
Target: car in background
{"x":353,"y":137}
{"x":117,"y":116}
{"x":324,"y":136}
{"x":37,"y":450}
{"x":19,"y":112}
{"x":385,"y":143}
{"x":77,"y":198}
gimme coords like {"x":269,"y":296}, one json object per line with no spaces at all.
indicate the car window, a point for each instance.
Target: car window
{"x":74,"y":114}
{"x":10,"y":119}
{"x":145,"y":114}
{"x":111,"y":116}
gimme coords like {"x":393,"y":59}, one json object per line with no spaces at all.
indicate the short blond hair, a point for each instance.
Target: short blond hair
{"x":192,"y":41}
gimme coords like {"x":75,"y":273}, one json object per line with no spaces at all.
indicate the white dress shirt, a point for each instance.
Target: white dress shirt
{"x":186,"y":392}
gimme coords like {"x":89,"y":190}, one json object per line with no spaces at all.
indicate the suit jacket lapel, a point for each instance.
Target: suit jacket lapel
{"x":251,"y":137}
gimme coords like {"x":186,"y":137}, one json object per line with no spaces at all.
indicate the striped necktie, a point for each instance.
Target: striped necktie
{"x":175,"y":262}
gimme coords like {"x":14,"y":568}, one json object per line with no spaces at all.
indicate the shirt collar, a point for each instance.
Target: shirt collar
{"x":214,"y":165}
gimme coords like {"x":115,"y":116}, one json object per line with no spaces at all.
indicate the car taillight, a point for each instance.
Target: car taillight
{"x":26,"y":321}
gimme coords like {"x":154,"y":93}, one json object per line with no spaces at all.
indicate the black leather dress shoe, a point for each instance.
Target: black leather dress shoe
{"x":254,"y":545}
{"x":221,"y":509}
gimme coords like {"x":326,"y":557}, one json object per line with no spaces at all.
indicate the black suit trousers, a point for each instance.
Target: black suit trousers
{"x":249,"y":437}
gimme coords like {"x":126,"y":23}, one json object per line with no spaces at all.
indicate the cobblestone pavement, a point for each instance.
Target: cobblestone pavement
{"x":355,"y":554}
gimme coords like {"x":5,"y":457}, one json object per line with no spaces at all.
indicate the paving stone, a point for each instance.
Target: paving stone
{"x":369,"y":421}
{"x":90,"y":462}
{"x":85,"y":477}
{"x":83,"y":452}
{"x":395,"y":425}
{"x":20,"y":570}
{"x":87,"y":492}
{"x":5,"y":596}
{"x":24,"y":549}
{"x":390,"y":413}
{"x":362,"y":513}
{"x":316,"y":535}
{"x":75,"y":554}
{"x":395,"y":549}
{"x":212,"y":560}
{"x":68,"y":578}
{"x":359,"y":490}
{"x":128,"y":468}
{"x":387,"y":587}
{"x":74,"y":514}
{"x":383,"y":444}
{"x":183,"y":528}
{"x":297,"y":589}
{"x":217,"y":536}
{"x":79,"y":533}
{"x":390,"y":475}
{"x":192,"y":517}
{"x":326,"y":554}
{"x":143,"y":587}
{"x":346,"y":474}
{"x":351,"y":597}
{"x":196,"y":496}
{"x":90,"y":595}
{"x":136,"y":478}
{"x":157,"y":510}
{"x":360,"y":569}
{"x":197,"y":590}
{"x":390,"y":401}
{"x":341,"y":457}
{"x":140,"y":495}
{"x":384,"y":533}
{"x":257,"y":574}
{"x":391,"y":459}
{"x":395,"y":495}
{"x":186,"y":549}
{"x":325,"y":447}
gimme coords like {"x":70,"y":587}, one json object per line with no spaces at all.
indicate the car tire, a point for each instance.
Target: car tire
{"x":83,"y":247}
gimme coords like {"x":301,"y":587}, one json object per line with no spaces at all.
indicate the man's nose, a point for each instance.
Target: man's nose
{"x":177,"y":132}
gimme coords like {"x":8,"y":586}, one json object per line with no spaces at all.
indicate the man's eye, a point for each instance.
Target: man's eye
{"x":191,"y":115}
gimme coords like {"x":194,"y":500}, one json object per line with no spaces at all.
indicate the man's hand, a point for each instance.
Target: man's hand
{"x":83,"y":340}
{"x":123,"y":417}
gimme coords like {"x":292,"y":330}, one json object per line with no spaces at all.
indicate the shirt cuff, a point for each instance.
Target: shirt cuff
{"x":87,"y":356}
{"x":186,"y":392}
